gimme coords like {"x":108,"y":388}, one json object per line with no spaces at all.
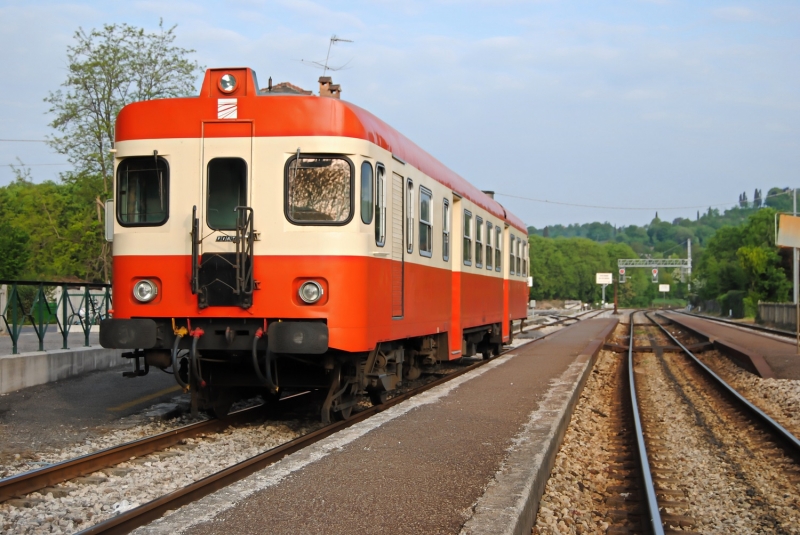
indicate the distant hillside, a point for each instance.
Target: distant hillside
{"x":735,"y":260}
{"x":660,"y":236}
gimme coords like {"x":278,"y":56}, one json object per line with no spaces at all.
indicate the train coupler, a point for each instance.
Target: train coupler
{"x":137,"y":369}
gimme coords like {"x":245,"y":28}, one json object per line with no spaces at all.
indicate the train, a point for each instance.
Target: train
{"x":270,"y":240}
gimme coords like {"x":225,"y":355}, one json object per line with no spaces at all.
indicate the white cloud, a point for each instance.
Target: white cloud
{"x":737,"y":14}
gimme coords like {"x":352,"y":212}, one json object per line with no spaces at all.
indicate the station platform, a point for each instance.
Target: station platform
{"x":31,"y":367}
{"x":472,"y":456}
{"x":764,"y":355}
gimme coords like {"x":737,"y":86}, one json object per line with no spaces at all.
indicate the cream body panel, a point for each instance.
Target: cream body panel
{"x":188,"y":158}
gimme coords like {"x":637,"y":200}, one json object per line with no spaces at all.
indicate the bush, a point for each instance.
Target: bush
{"x":733,"y":303}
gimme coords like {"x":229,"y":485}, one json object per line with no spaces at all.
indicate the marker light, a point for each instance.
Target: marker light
{"x":310,"y":292}
{"x":227,"y":83}
{"x":145,"y":291}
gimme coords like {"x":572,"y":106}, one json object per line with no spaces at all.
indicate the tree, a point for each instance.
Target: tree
{"x":108,"y":69}
{"x":780,"y":199}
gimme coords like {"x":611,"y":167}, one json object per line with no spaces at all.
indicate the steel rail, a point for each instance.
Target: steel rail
{"x":656,"y":524}
{"x":758,"y":328}
{"x":148,"y":512}
{"x":27,"y":482}
{"x":564,"y":319}
{"x":774,"y":426}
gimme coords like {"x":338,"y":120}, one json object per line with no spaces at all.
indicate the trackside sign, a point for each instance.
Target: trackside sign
{"x":604,"y":278}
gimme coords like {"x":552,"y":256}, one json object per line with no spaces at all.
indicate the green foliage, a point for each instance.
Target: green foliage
{"x":55,"y":231}
{"x":108,"y":69}
{"x":734,"y":256}
{"x":13,"y":251}
{"x":565,"y":268}
{"x":61,"y":228}
{"x":779,"y":199}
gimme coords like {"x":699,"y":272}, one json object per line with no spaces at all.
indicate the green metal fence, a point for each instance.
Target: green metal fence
{"x":28,"y":304}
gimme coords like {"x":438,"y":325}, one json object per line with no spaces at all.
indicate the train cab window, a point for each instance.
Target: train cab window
{"x":519,"y":256}
{"x":380,"y":206}
{"x":446,"y":230}
{"x":227,"y":189}
{"x":366,"y":193}
{"x":478,"y":242}
{"x":467,"y":238}
{"x":142,"y":191}
{"x":489,"y":245}
{"x":319,"y":190}
{"x":425,"y":225}
{"x":511,"y":264}
{"x":498,"y":242}
{"x":409,"y":216}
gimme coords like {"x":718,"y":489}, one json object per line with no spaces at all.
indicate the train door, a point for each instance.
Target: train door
{"x":456,"y":263}
{"x":223,"y":223}
{"x":506,"y":283}
{"x":398,"y":247}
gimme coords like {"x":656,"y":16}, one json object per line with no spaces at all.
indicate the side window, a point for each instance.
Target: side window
{"x":446,"y":230}
{"x":380,"y":206}
{"x":478,"y":242}
{"x":410,"y":216}
{"x":227,"y":189}
{"x":467,"y":238}
{"x":366,"y":193}
{"x":425,"y":224}
{"x":498,"y":242}
{"x":142,"y":191}
{"x":511,"y":264}
{"x":519,"y":256}
{"x":525,"y":259}
{"x":319,"y":190}
{"x":489,"y":252}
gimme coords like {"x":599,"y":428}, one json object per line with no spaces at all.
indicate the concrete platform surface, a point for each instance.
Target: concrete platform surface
{"x":61,"y":413}
{"x":765,"y":355}
{"x":471,"y":456}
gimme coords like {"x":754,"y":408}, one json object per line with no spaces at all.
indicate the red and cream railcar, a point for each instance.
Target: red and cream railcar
{"x":271,"y":241}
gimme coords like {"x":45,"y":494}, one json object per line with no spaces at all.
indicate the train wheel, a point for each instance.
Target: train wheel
{"x":340,"y":399}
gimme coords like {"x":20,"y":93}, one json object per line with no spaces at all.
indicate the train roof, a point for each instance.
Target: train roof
{"x":281,"y":114}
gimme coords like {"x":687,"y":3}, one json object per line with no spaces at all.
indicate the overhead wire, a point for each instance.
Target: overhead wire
{"x":560,"y":203}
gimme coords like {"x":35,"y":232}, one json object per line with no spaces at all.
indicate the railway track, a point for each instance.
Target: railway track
{"x":697,"y":435}
{"x":37,"y":480}
{"x":44,"y":478}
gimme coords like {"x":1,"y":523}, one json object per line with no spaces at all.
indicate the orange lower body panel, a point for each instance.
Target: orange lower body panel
{"x":359,"y":303}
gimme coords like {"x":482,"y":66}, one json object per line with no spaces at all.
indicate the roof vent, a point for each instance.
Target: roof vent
{"x":489,"y":194}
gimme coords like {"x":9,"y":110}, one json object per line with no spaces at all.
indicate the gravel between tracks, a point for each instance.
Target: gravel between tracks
{"x":733,"y":481}
{"x":573,"y":500}
{"x":779,"y":398}
{"x":141,"y":480}
{"x":734,"y":478}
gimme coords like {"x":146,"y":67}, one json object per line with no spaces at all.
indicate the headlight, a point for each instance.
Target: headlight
{"x":227,"y":83}
{"x":310,"y":292}
{"x":145,"y":291}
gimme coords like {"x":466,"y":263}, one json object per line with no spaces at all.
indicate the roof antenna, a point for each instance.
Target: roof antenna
{"x":270,"y":84}
{"x":324,"y":66}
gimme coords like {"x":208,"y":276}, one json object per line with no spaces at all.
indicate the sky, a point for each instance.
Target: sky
{"x":621,"y":107}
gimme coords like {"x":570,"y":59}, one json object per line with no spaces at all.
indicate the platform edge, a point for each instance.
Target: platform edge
{"x":511,"y":501}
